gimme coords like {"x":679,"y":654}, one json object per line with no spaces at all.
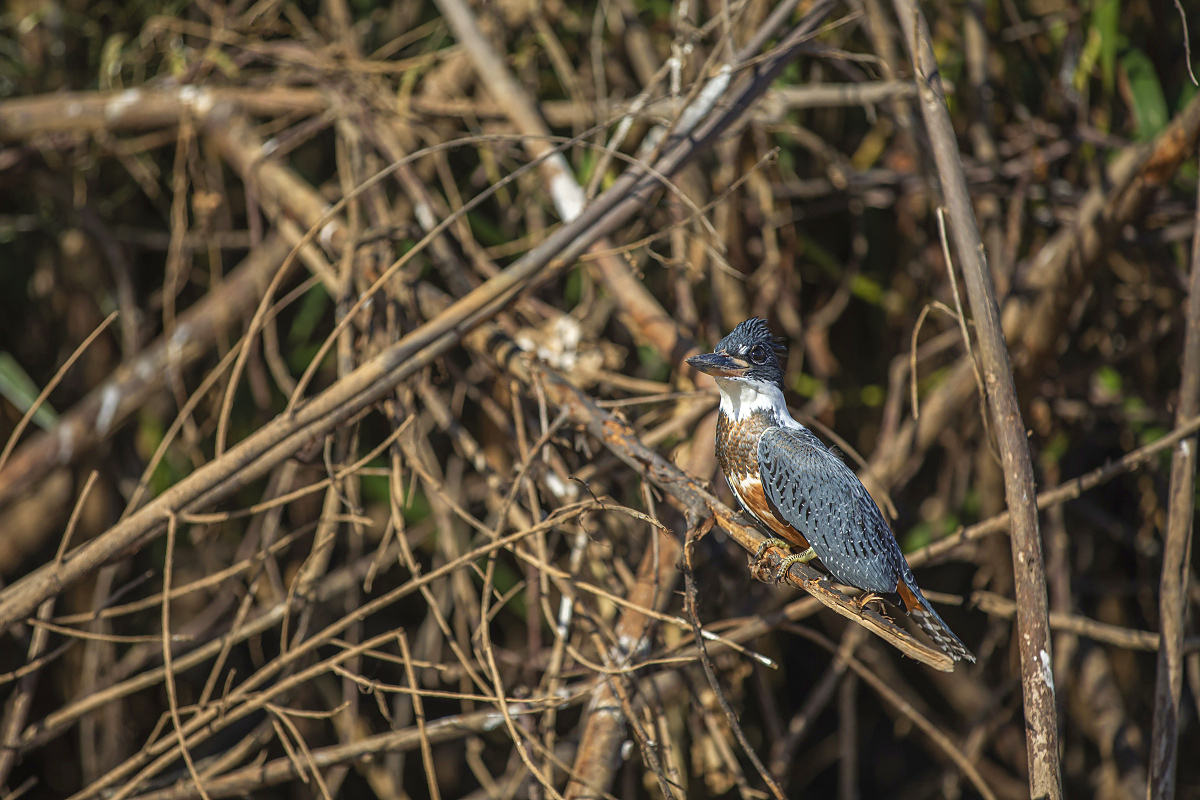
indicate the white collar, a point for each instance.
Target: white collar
{"x":742,"y":398}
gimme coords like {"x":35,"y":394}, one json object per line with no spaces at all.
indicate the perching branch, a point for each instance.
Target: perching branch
{"x":695,"y":501}
{"x":288,"y":433}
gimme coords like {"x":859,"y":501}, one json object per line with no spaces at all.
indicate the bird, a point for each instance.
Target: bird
{"x":798,"y":489}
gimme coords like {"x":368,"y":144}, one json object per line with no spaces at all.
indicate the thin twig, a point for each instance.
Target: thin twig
{"x":288,"y":433}
{"x":172,"y":700}
{"x":49,"y":387}
{"x":1068,"y":490}
{"x":619,"y":437}
{"x":961,"y":317}
{"x":710,"y":672}
{"x":1115,"y":635}
{"x":21,"y":700}
{"x":1187,"y":45}
{"x":889,"y":694}
{"x":102,"y":411}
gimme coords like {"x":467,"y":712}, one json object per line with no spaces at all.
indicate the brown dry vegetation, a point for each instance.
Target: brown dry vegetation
{"x":363,"y":333}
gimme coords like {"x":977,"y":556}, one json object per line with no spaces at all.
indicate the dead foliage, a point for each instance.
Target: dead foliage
{"x":352,"y":449}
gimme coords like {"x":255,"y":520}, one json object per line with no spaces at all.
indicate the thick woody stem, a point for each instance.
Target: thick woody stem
{"x":1033,"y":625}
{"x":1177,"y":555}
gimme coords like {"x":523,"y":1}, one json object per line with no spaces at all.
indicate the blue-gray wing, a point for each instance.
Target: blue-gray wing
{"x":824,"y":500}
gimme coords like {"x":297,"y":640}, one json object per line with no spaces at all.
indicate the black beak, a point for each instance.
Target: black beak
{"x":719,"y":365}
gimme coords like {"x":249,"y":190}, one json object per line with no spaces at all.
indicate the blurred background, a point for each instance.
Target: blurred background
{"x":164,"y":162}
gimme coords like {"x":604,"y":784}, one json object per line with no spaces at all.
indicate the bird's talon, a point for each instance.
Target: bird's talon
{"x":759,"y":570}
{"x":795,"y":558}
{"x":869,"y":597}
{"x":764,"y":546}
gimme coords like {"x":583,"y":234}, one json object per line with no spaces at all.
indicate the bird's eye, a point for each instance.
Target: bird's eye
{"x":758,"y":354}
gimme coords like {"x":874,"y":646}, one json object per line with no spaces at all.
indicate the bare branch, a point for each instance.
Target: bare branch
{"x":1041,"y":714}
{"x":1173,"y":589}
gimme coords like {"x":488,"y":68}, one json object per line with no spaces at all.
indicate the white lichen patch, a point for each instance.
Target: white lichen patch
{"x":66,"y":443}
{"x":327,"y":234}
{"x":198,"y":99}
{"x":568,"y":198}
{"x":110,"y":400}
{"x":704,"y":103}
{"x":1047,"y":672}
{"x":563,"y":490}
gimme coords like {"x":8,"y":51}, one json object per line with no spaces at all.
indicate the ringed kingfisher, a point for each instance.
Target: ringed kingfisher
{"x":800,"y":490}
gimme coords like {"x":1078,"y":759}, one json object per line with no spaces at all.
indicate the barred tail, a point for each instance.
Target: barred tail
{"x":931,"y":622}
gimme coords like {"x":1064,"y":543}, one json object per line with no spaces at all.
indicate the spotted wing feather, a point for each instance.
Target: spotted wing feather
{"x":824,"y":500}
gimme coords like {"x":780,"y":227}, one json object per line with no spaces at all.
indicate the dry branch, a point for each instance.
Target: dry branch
{"x":1082,"y":626}
{"x":1041,"y":714}
{"x":239,"y":782}
{"x":694,"y":500}
{"x":1177,"y":549}
{"x":605,"y":729}
{"x":1068,"y":490}
{"x":284,"y":436}
{"x":710,"y":672}
{"x":106,"y":407}
{"x":889,"y":693}
{"x":543,"y":633}
{"x":134,"y":109}
{"x":643,"y":315}
{"x":1064,"y":264}
{"x":366,"y":385}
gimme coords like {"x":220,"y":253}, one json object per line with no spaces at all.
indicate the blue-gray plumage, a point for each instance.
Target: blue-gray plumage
{"x":823,"y":499}
{"x":797,"y":488}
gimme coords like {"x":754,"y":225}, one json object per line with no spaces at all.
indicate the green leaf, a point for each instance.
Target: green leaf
{"x":873,"y":395}
{"x":917,"y":537}
{"x":486,"y":231}
{"x":867,"y":289}
{"x":1107,"y":382}
{"x":1105,"y":25}
{"x":1149,"y":103}
{"x":573,"y":288}
{"x":21,"y":391}
{"x":653,"y":364}
{"x":312,"y":309}
{"x":818,"y":254}
{"x":1088,"y":57}
{"x":1054,"y":450}
{"x":376,"y":489}
{"x":1151,"y":434}
{"x":806,"y":385}
{"x":1185,"y":96}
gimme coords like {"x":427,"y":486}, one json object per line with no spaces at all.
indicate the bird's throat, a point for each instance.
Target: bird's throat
{"x":742,"y":399}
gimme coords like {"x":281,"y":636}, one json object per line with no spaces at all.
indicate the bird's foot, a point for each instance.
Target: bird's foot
{"x":869,"y":597}
{"x":795,"y":558}
{"x":761,"y":571}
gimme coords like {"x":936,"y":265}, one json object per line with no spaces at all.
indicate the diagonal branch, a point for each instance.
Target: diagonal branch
{"x":1033,"y":318}
{"x":107,"y":406}
{"x":289,"y":432}
{"x":643,"y":314}
{"x":696,"y":502}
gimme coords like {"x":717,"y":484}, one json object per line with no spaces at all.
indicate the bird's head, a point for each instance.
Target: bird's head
{"x":750,"y":354}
